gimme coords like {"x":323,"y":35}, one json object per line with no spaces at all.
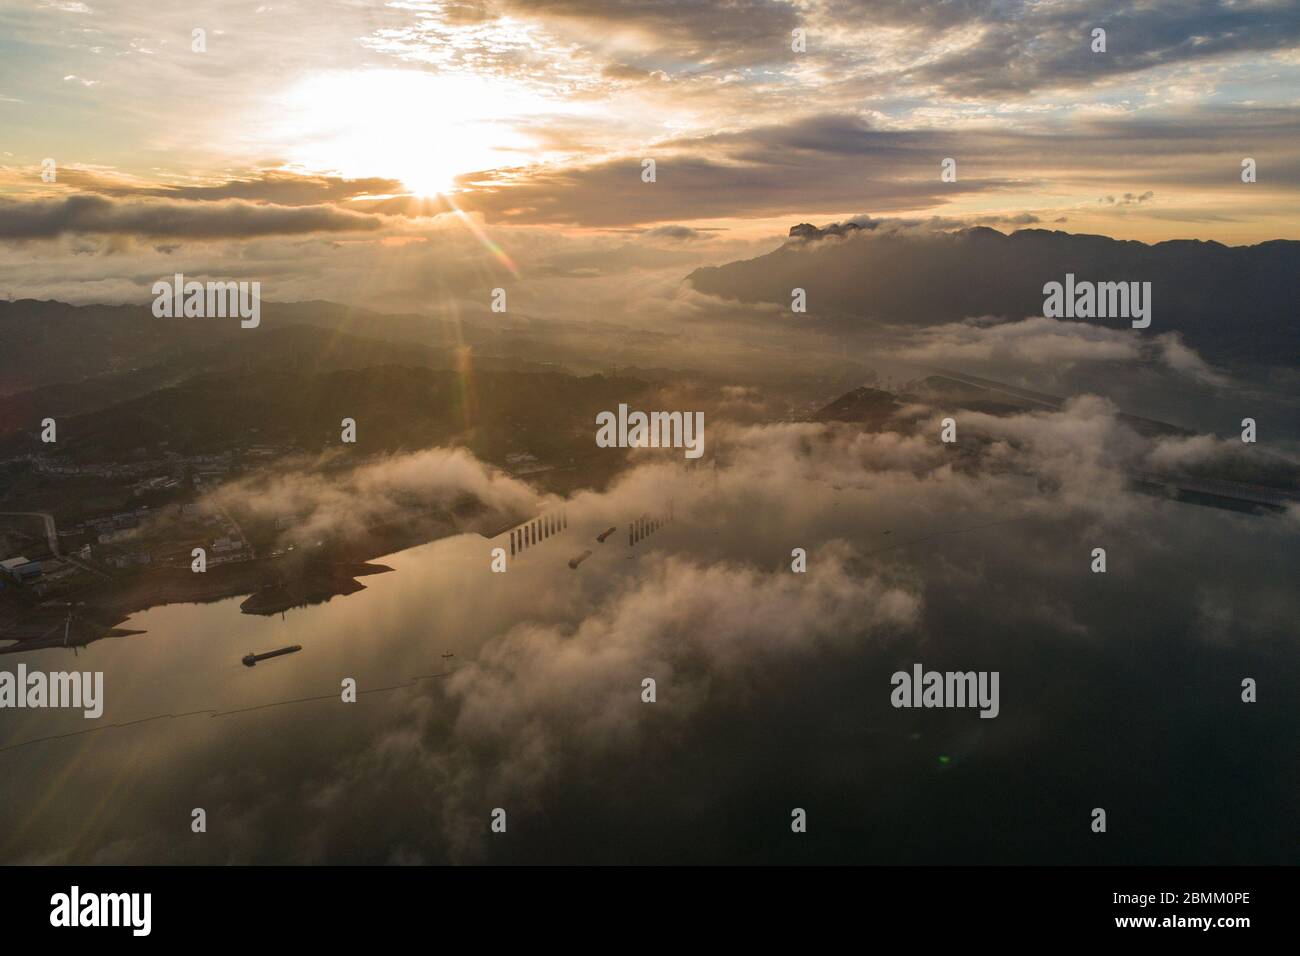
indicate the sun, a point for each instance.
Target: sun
{"x":421,"y":128}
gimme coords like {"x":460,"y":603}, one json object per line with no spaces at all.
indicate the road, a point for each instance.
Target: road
{"x":1223,"y":488}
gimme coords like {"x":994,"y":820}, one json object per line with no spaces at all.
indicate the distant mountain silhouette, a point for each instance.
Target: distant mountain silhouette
{"x":1233,"y":304}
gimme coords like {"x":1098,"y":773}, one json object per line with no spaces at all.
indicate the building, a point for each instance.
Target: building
{"x":21,"y":569}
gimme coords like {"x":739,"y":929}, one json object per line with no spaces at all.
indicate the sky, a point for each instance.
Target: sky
{"x":323,"y":137}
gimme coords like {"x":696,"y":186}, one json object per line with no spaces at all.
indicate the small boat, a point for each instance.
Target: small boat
{"x":604,"y":534}
{"x":251,"y":659}
{"x":574,"y":562}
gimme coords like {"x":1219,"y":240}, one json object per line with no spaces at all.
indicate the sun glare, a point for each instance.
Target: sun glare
{"x":421,"y":128}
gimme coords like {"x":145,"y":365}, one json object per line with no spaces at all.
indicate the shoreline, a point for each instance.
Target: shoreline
{"x":270,"y":586}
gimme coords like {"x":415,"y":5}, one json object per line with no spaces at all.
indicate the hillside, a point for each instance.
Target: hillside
{"x":395,"y":407}
{"x":1233,"y":304}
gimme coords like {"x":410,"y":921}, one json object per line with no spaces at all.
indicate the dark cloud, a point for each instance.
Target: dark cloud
{"x":277,"y":188}
{"x":1128,"y":199}
{"x":1027,"y":46}
{"x":1018,"y":46}
{"x":937,"y":15}
{"x":684,"y":233}
{"x":820,"y":163}
{"x":223,"y":219}
{"x":702,"y":33}
{"x":810,"y":164}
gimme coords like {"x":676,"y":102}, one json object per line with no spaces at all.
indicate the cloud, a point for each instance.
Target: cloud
{"x":1128,"y":199}
{"x":269,"y":187}
{"x":1048,"y":46}
{"x":805,"y":164}
{"x":823,"y":163}
{"x":1034,"y":340}
{"x":984,"y":48}
{"x":682,"y":233}
{"x":1043,"y":341}
{"x":696,"y":628}
{"x":709,"y":35}
{"x":448,"y":485}
{"x":1179,"y":452}
{"x":1185,"y":361}
{"x":98,"y":215}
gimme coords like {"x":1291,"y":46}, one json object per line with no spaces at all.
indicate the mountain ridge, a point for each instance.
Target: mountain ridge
{"x":1233,"y":304}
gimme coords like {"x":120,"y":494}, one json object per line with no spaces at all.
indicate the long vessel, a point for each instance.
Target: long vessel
{"x":251,"y":659}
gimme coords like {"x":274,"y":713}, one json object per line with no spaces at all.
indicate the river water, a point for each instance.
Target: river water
{"x":1119,"y":691}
